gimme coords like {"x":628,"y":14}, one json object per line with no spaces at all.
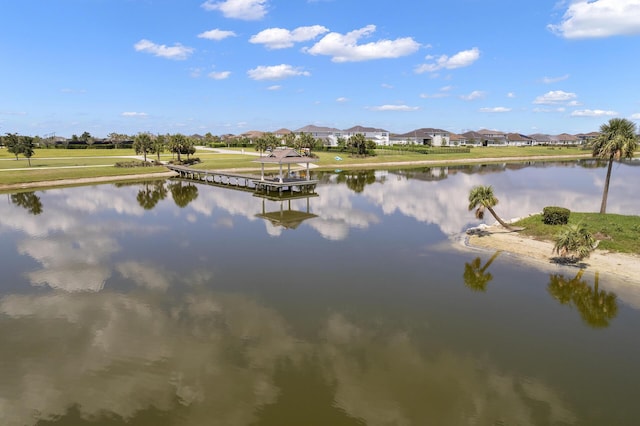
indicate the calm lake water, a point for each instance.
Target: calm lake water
{"x":176,"y":303}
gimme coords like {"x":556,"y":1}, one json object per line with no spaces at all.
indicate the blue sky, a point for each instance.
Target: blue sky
{"x":230,"y":66}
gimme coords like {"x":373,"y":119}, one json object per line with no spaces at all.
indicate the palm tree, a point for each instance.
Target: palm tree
{"x":617,"y":140}
{"x":142,"y":144}
{"x":480,"y":198}
{"x":574,"y":242}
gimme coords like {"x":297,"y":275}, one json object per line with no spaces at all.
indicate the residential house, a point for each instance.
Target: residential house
{"x":456,"y":139}
{"x":493,"y":137}
{"x":280,"y":133}
{"x":379,"y":136}
{"x":541,"y":139}
{"x":585,"y":138}
{"x":425,"y":136}
{"x":473,"y":138}
{"x":328,"y":135}
{"x":517,"y":139}
{"x":253,"y":135}
{"x":566,"y":139}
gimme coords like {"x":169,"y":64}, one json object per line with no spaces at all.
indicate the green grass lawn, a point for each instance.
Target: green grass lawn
{"x":57,"y":153}
{"x":36,"y":175}
{"x":214,"y":161}
{"x":616,"y":232}
{"x":101,"y":158}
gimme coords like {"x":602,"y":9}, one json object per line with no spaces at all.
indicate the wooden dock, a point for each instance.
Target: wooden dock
{"x":279,"y":187}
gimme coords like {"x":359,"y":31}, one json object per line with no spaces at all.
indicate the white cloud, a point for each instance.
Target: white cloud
{"x":549,"y":80}
{"x":216,"y":34}
{"x":511,"y":95}
{"x":593,"y":113}
{"x":342,"y":99}
{"x":280,"y":38}
{"x":276,"y":72}
{"x":274,"y":87}
{"x":386,"y":86}
{"x":459,"y":60}
{"x":476,"y":94}
{"x":248,"y":10}
{"x":345,"y":47}
{"x":635,"y":116}
{"x":495,"y":109}
{"x":222,"y":75}
{"x":393,"y":108}
{"x":555,"y":97}
{"x":134,"y":114}
{"x":177,"y":51}
{"x":599,"y":18}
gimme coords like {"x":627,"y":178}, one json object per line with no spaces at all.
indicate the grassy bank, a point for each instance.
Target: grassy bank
{"x":616,"y":232}
{"x":56,"y":164}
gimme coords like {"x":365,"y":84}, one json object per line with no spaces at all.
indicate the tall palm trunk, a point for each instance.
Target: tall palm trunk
{"x":500,"y":221}
{"x":605,"y":193}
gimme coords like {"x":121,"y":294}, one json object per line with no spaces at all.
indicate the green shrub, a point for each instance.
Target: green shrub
{"x":555,"y":215}
{"x":130,"y":164}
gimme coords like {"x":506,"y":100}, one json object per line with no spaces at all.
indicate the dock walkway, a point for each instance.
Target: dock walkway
{"x":266,"y":185}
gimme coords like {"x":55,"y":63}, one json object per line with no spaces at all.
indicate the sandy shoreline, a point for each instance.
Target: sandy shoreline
{"x":620,"y":266}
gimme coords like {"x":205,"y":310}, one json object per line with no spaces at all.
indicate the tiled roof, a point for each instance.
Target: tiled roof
{"x":362,"y":129}
{"x":316,"y":129}
{"x":421,"y":132}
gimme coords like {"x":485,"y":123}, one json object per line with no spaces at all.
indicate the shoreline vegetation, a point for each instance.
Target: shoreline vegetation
{"x":87,"y":167}
{"x":533,"y":250}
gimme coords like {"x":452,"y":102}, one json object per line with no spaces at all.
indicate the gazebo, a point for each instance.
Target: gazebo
{"x":286,"y":156}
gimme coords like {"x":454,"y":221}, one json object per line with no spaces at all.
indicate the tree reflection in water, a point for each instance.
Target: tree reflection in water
{"x":475,"y":276}
{"x":597,"y":307}
{"x":149,"y":196}
{"x":183,"y":194}
{"x":357,"y":180}
{"x":29,"y":201}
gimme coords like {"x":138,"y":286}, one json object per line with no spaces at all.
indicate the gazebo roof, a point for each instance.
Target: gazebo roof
{"x":285,"y":156}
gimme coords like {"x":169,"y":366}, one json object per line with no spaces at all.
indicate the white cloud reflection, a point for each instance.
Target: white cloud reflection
{"x":202,"y":353}
{"x":119,"y":354}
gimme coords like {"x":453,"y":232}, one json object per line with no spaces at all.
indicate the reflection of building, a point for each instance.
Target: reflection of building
{"x":286,"y":216}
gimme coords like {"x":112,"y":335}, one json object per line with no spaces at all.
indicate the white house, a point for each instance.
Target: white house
{"x":425,"y":136}
{"x":328,"y":135}
{"x":379,"y":136}
{"x":516,"y":139}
